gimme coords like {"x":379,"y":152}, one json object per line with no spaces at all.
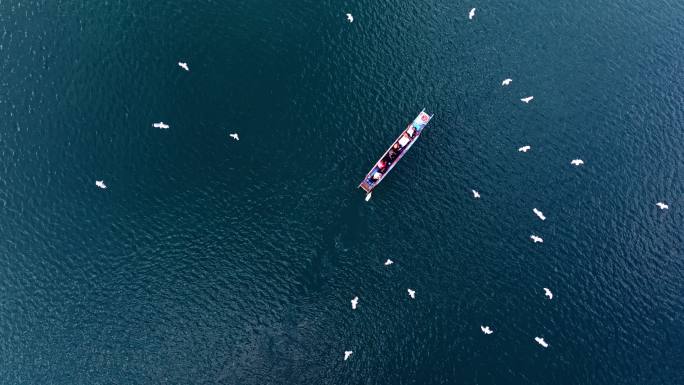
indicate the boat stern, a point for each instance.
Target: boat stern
{"x":367,"y":187}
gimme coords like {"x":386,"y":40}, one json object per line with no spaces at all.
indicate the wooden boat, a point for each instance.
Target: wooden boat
{"x":396,"y":151}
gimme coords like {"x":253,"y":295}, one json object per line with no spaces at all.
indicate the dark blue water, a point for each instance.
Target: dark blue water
{"x":214,"y":261}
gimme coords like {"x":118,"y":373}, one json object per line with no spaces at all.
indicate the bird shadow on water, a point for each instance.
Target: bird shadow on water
{"x":339,"y":233}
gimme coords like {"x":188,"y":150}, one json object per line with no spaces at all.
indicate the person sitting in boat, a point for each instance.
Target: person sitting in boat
{"x":377,"y":175}
{"x":394,"y":151}
{"x":404,"y":140}
{"x":382,"y":165}
{"x":411,"y":131}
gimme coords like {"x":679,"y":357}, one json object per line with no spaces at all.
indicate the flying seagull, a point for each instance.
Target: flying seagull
{"x":524,"y":148}
{"x":100,"y":184}
{"x":234,"y":136}
{"x":471,"y":14}
{"x":350,"y":18}
{"x":388,"y":262}
{"x":541,"y":342}
{"x":536,"y":239}
{"x":662,"y":206}
{"x":539,"y":214}
{"x":183,"y":66}
{"x":354,"y":302}
{"x":548,"y":293}
{"x":412,"y":293}
{"x":161,"y":125}
{"x":506,"y":82}
{"x":577,"y":162}
{"x":527,"y":99}
{"x":486,"y":329}
{"x":347,"y":354}
{"x":476,"y":194}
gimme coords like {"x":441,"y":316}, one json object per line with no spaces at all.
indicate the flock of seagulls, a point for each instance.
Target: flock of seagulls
{"x":355,"y":303}
{"x":164,"y":126}
{"x":535,"y":238}
{"x":411,"y":292}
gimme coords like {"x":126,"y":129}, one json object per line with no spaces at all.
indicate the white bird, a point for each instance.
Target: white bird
{"x":524,"y":148}
{"x":412,"y":293}
{"x":527,"y":99}
{"x":548,"y":293}
{"x":368,"y":196}
{"x":354,"y":302}
{"x":541,"y":342}
{"x":577,"y":162}
{"x":234,"y":136}
{"x":100,"y":184}
{"x":539,"y":214}
{"x":486,"y":329}
{"x":347,"y":354}
{"x":183,"y":66}
{"x":506,"y":82}
{"x":662,"y":206}
{"x":471,"y":14}
{"x":160,"y":125}
{"x":350,"y":18}
{"x":388,"y":262}
{"x":536,"y":239}
{"x":476,"y":194}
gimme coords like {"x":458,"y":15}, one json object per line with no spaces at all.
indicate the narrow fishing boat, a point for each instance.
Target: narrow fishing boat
{"x":396,"y":151}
